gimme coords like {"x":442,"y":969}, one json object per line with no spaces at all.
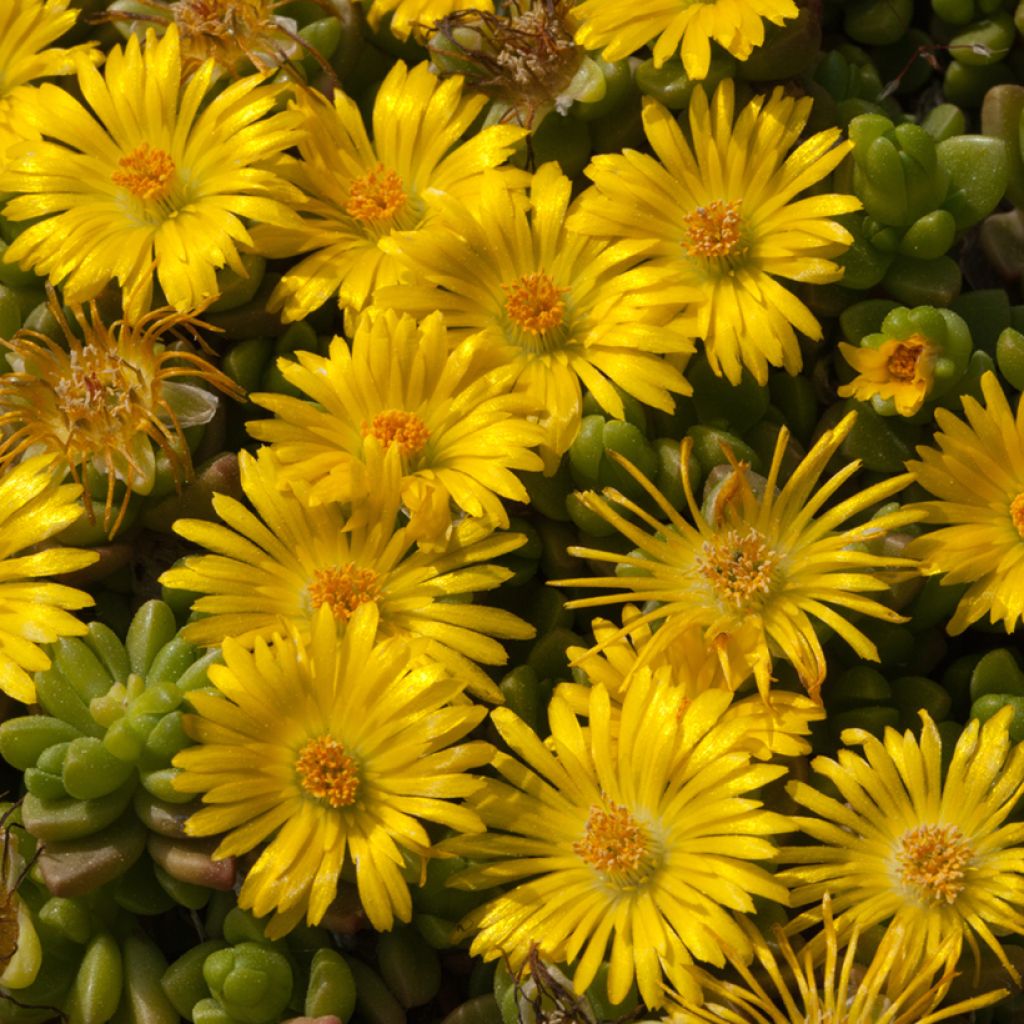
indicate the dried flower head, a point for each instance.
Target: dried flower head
{"x":525,"y":58}
{"x":108,"y":400}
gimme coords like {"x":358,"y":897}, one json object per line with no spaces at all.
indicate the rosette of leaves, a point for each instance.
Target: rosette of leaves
{"x":97,"y":766}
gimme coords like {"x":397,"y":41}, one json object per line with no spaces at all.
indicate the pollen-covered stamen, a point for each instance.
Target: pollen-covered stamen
{"x":100,"y":384}
{"x":616,"y":844}
{"x":343,"y":588}
{"x":1017,"y":513}
{"x":147,"y":172}
{"x":395,"y":427}
{"x":931,"y":861}
{"x":376,"y":196}
{"x":902,"y":363}
{"x":326,"y":772}
{"x":535,"y":303}
{"x":738,"y":565}
{"x":714,"y":230}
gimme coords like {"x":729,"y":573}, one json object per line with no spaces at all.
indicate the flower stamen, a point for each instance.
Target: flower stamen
{"x":714,"y":230}
{"x":902,"y":364}
{"x":146,"y":172}
{"x":738,"y":566}
{"x":376,"y":196}
{"x":535,"y":303}
{"x":343,"y":588}
{"x":326,"y":772}
{"x":931,"y":861}
{"x":616,"y":844}
{"x":1017,"y":513}
{"x":395,"y":427}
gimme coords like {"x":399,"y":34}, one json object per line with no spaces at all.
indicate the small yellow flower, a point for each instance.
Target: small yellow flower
{"x":416,"y":15}
{"x":720,"y":209}
{"x":977,"y":476}
{"x":359,"y":191}
{"x":35,"y":505}
{"x":448,"y":417}
{"x":679,"y":26}
{"x":335,"y":753}
{"x":568,"y":311}
{"x":645,"y":841}
{"x":272,"y":571}
{"x":754,"y":575}
{"x":899,"y":368}
{"x":152,"y":178}
{"x":928,"y":852}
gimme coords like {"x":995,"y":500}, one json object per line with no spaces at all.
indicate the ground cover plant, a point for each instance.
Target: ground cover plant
{"x":511,"y":514}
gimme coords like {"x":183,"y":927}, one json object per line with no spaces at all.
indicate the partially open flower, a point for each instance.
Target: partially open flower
{"x":108,"y":401}
{"x":916,"y":356}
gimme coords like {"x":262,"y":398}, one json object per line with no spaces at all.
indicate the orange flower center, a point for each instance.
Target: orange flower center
{"x":535,"y":303}
{"x":714,"y":230}
{"x":1017,"y":513}
{"x":146,"y":172}
{"x":404,"y":429}
{"x":98,"y":386}
{"x":327,"y":772}
{"x":375,"y":196}
{"x":902,"y":364}
{"x":739,"y":566}
{"x":615,"y":843}
{"x":931,"y":861}
{"x":343,"y":588}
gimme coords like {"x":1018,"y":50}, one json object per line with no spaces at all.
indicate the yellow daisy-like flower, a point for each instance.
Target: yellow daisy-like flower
{"x":754,"y":574}
{"x":27,"y":27}
{"x":977,"y":475}
{"x":398,"y":393}
{"x":900,"y":369}
{"x":415,"y":15}
{"x":787,"y":986}
{"x":644,"y":840}
{"x":569,"y":310}
{"x":778,"y":728}
{"x":150,"y":179}
{"x":34,"y":506}
{"x":679,"y":26}
{"x":108,"y":399}
{"x":359,"y":192}
{"x":333,"y":753}
{"x":273,"y":570}
{"x":925,"y":850}
{"x":722,"y":211}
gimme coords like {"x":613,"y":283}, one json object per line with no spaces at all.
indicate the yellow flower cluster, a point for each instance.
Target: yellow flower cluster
{"x":355,"y":594}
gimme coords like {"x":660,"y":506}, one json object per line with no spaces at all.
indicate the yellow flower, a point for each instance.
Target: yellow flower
{"x":334,"y":753}
{"x":415,"y":15}
{"x":34,"y":506}
{"x":568,"y":310}
{"x":777,"y":728}
{"x":900,"y":369}
{"x":273,"y":570}
{"x":754,"y":573}
{"x":108,"y":399}
{"x":644,"y":840}
{"x":799,"y":992}
{"x":679,"y":26}
{"x":722,"y":212}
{"x":456,"y":431}
{"x":153,"y":180}
{"x":359,"y":191}
{"x":27,"y":27}
{"x":924,"y":850}
{"x":977,"y":475}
